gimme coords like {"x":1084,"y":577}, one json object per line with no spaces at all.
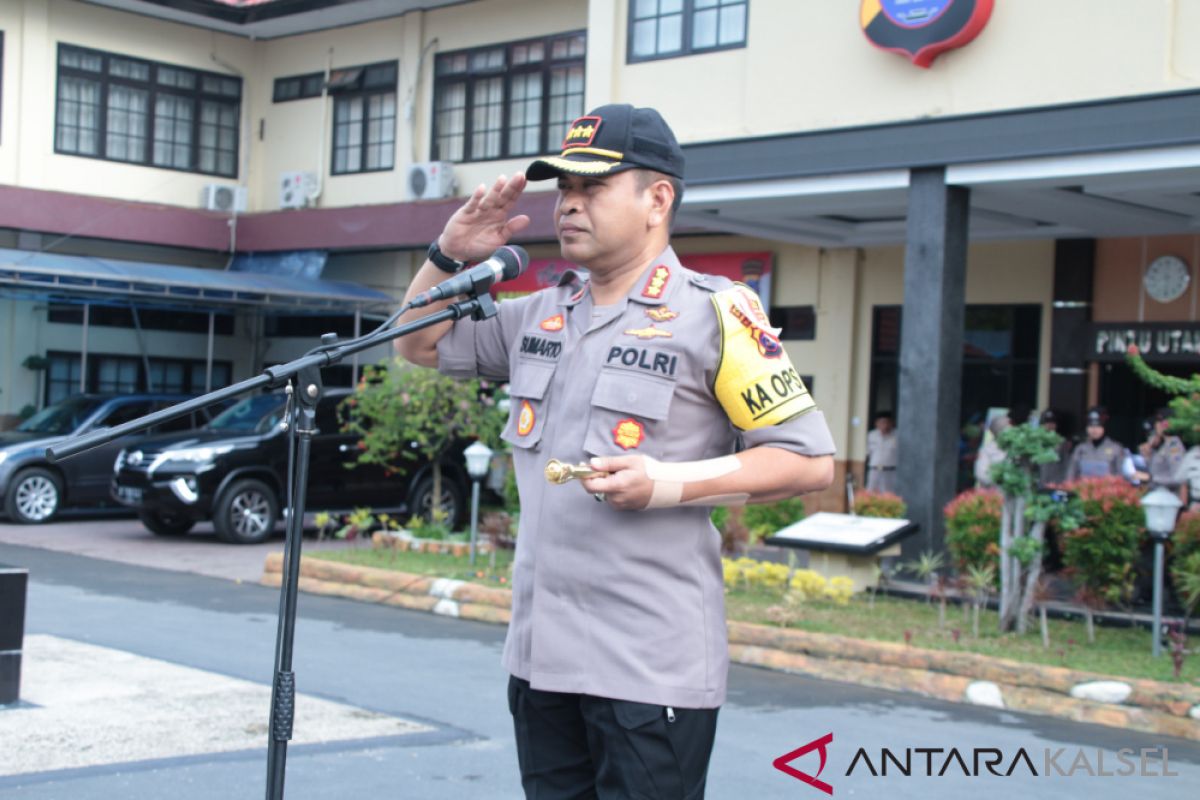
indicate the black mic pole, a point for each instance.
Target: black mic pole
{"x":304,"y":392}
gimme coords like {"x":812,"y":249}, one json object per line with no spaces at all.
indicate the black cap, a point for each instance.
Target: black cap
{"x":1049,"y":416}
{"x":1097,"y":415}
{"x":1161,"y":414}
{"x":610,"y":139}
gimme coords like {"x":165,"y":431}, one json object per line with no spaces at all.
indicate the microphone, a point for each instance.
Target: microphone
{"x":505,"y":264}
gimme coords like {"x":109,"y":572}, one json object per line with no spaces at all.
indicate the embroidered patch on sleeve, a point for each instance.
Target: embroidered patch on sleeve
{"x":756,"y":383}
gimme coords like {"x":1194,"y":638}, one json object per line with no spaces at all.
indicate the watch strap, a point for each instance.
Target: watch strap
{"x":442,"y":261}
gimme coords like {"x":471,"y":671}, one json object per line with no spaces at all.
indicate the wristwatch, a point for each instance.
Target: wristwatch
{"x":442,"y":261}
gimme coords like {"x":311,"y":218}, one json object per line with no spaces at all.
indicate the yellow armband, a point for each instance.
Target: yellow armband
{"x":756,"y":383}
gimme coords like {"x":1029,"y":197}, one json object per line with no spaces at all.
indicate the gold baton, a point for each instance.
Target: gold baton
{"x":561,"y":472}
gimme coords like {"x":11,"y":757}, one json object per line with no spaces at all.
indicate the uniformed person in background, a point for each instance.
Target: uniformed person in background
{"x":1054,"y":472}
{"x":1162,"y":452}
{"x":674,"y":385}
{"x":882,"y":454}
{"x":1097,"y":456}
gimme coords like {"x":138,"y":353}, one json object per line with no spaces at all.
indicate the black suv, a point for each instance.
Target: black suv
{"x":234,"y":472}
{"x":34,"y":490}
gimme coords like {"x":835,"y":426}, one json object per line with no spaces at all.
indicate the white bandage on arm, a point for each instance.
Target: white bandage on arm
{"x":669,"y":480}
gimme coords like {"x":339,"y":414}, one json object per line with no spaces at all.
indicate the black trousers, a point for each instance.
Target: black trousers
{"x":575,"y":746}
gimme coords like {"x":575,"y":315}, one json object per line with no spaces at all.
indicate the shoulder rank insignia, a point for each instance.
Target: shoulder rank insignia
{"x":554,"y":323}
{"x":661,"y":314}
{"x":650,"y":332}
{"x":525,"y":419}
{"x":628,"y":433}
{"x":756,"y":383}
{"x":656,"y":284}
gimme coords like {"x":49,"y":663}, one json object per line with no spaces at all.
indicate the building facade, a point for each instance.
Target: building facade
{"x":986,"y":231}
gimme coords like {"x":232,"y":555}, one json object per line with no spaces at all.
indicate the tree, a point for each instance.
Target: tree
{"x":1025,"y":449}
{"x":405,"y":412}
{"x":1185,"y":406}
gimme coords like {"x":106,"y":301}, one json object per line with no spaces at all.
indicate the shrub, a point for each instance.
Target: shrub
{"x":1186,"y":538}
{"x":1101,"y":553}
{"x":879,"y":504}
{"x":765,"y":520}
{"x":1185,"y":574}
{"x":973,"y":529}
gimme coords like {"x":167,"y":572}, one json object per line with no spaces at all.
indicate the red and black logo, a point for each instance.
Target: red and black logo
{"x":782,"y":763}
{"x":583,"y":132}
{"x":921,"y":30}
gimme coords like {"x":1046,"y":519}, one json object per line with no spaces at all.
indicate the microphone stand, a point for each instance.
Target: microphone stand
{"x":303,"y":379}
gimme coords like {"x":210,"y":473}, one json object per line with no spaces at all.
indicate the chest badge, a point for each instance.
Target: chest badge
{"x":554,"y":323}
{"x":656,"y":284}
{"x":525,"y":419}
{"x":629,"y":433}
{"x":661,"y":314}
{"x":649,"y":333}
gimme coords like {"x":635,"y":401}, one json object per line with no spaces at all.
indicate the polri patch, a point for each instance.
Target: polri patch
{"x":661,"y":314}
{"x":656,"y":284}
{"x":650,"y":332}
{"x":525,"y":419}
{"x":629,"y":433}
{"x":554,"y":323}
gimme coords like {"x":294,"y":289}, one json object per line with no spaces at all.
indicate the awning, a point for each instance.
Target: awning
{"x":64,"y":278}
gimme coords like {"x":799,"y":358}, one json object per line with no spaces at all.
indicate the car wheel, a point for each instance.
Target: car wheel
{"x":165,"y":524}
{"x":33,"y":496}
{"x":420,"y":501}
{"x":246,"y":512}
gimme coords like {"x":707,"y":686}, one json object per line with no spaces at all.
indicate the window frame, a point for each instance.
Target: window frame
{"x":197,"y":95}
{"x":506,"y":72}
{"x":357,"y":88}
{"x":685,"y":49}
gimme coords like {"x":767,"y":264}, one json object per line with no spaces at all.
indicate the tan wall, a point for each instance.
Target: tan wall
{"x":808,"y":66}
{"x":1119,"y":295}
{"x":33,"y":31}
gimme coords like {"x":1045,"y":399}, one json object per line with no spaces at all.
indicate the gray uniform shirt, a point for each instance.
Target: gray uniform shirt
{"x":1096,"y":460}
{"x":628,"y":604}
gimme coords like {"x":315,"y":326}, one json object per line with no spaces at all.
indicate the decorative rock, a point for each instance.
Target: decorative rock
{"x":447,"y":608}
{"x":1102,"y":691}
{"x":1195,"y":712}
{"x":985,"y":693}
{"x":445,"y":587}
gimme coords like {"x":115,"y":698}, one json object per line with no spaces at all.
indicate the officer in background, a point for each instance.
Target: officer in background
{"x":882,"y":450}
{"x":674,"y":387}
{"x":1097,"y":456}
{"x":1054,"y":472}
{"x":1162,"y":452}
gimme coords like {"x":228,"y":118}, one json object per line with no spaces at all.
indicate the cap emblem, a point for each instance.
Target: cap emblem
{"x":583,"y":132}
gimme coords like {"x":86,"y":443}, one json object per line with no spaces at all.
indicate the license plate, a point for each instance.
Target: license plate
{"x":129,"y":494}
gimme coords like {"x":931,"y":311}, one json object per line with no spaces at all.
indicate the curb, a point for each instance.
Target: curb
{"x":1145,"y":705}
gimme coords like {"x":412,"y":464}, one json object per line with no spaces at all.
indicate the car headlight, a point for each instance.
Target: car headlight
{"x":190,"y":455}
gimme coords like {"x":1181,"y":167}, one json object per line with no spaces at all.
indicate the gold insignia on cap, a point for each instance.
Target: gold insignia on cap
{"x":582,"y":133}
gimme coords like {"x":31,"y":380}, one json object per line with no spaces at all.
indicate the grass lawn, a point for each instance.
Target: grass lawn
{"x":1118,"y":651}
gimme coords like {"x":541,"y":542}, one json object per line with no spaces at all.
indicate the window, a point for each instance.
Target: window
{"x":795,"y":323}
{"x":507,"y":100}
{"x":298,"y":87}
{"x":364,"y":118}
{"x":125,"y":374}
{"x":667,"y":28}
{"x":149,"y":318}
{"x":120,"y":108}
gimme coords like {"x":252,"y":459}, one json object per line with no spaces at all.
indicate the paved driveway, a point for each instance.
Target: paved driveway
{"x":124,"y":539}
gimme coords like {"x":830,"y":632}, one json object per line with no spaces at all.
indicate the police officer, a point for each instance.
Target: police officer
{"x":1162,"y":452}
{"x":674,"y":386}
{"x":1054,"y":472}
{"x":1098,"y":455}
{"x":882,"y":455}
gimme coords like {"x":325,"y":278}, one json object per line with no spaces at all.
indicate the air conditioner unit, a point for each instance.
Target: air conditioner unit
{"x":295,"y":188}
{"x":220,"y":197}
{"x":431,"y":180}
